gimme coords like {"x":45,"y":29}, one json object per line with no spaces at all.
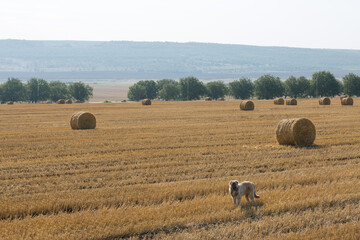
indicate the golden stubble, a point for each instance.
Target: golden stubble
{"x":162,"y":171}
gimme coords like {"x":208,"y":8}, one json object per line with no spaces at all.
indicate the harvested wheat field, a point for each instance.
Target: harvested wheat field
{"x":163,"y":172}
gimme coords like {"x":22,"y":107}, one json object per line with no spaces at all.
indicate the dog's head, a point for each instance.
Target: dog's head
{"x":233,"y":184}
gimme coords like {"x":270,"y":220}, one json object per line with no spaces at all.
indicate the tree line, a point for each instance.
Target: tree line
{"x":322,"y":83}
{"x":36,"y":90}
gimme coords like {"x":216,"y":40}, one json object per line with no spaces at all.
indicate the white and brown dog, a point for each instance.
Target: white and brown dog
{"x":238,"y":190}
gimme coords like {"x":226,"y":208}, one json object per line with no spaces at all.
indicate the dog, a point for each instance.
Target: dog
{"x":238,"y":190}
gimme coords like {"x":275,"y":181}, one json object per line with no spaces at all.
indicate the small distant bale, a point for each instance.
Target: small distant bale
{"x":343,"y":96}
{"x":291,"y":101}
{"x":247,"y":105}
{"x":78,"y":101}
{"x":69,"y":101}
{"x":347,"y":101}
{"x":146,"y":102}
{"x":60,"y":101}
{"x":10,"y":103}
{"x":279,"y":101}
{"x":221,"y":99}
{"x":208,"y":99}
{"x":83,"y":120}
{"x":324,"y":101}
{"x":123,"y":100}
{"x":296,"y":131}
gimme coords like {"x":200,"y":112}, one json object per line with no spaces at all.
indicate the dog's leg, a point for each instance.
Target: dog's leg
{"x":247,"y":198}
{"x":234,"y":199}
{"x":239,"y":200}
{"x":252,"y":197}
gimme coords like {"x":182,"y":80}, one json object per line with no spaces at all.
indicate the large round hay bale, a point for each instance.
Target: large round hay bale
{"x":347,"y":101}
{"x":208,"y":99}
{"x":69,"y":101}
{"x":146,"y":102}
{"x":221,"y":99}
{"x":324,"y":101}
{"x":83,"y":120}
{"x":10,"y":103}
{"x":296,"y":131}
{"x":279,"y":101}
{"x":247,"y":105}
{"x":291,"y":101}
{"x":60,"y":101}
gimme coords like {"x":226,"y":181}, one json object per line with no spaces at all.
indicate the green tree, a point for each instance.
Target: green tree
{"x":170,"y":91}
{"x":58,"y":90}
{"x":1,"y":93}
{"x":37,"y":90}
{"x":216,"y":89}
{"x":324,"y":84}
{"x":150,"y":88}
{"x":80,"y":91}
{"x":268,"y":87}
{"x":162,"y":82}
{"x":191,"y":88}
{"x":136,"y":92}
{"x":290,"y":86}
{"x":14,"y":90}
{"x":352,"y":84}
{"x":297,"y":87}
{"x":304,"y":88}
{"x":242,"y":88}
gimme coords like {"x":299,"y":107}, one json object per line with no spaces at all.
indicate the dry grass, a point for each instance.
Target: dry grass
{"x":167,"y":177}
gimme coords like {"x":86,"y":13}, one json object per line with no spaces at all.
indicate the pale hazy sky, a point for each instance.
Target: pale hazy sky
{"x":293,"y":23}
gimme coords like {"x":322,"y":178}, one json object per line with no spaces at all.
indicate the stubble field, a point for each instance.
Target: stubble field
{"x":162,"y":172}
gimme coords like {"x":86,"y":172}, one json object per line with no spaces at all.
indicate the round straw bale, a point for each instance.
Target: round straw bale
{"x":10,"y":102}
{"x":247,"y":105}
{"x":123,"y":100}
{"x":347,"y":101}
{"x":291,"y":101}
{"x":78,"y":101}
{"x":324,"y":101}
{"x":69,"y":101}
{"x":60,"y":101}
{"x":296,"y":131}
{"x":279,"y":101}
{"x":208,"y":99}
{"x":83,"y":120}
{"x":221,"y":99}
{"x":146,"y":102}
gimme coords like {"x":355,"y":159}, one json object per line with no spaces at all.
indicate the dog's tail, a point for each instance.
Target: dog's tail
{"x":256,"y":196}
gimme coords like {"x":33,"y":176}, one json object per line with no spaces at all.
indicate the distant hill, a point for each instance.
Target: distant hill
{"x":90,"y":60}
